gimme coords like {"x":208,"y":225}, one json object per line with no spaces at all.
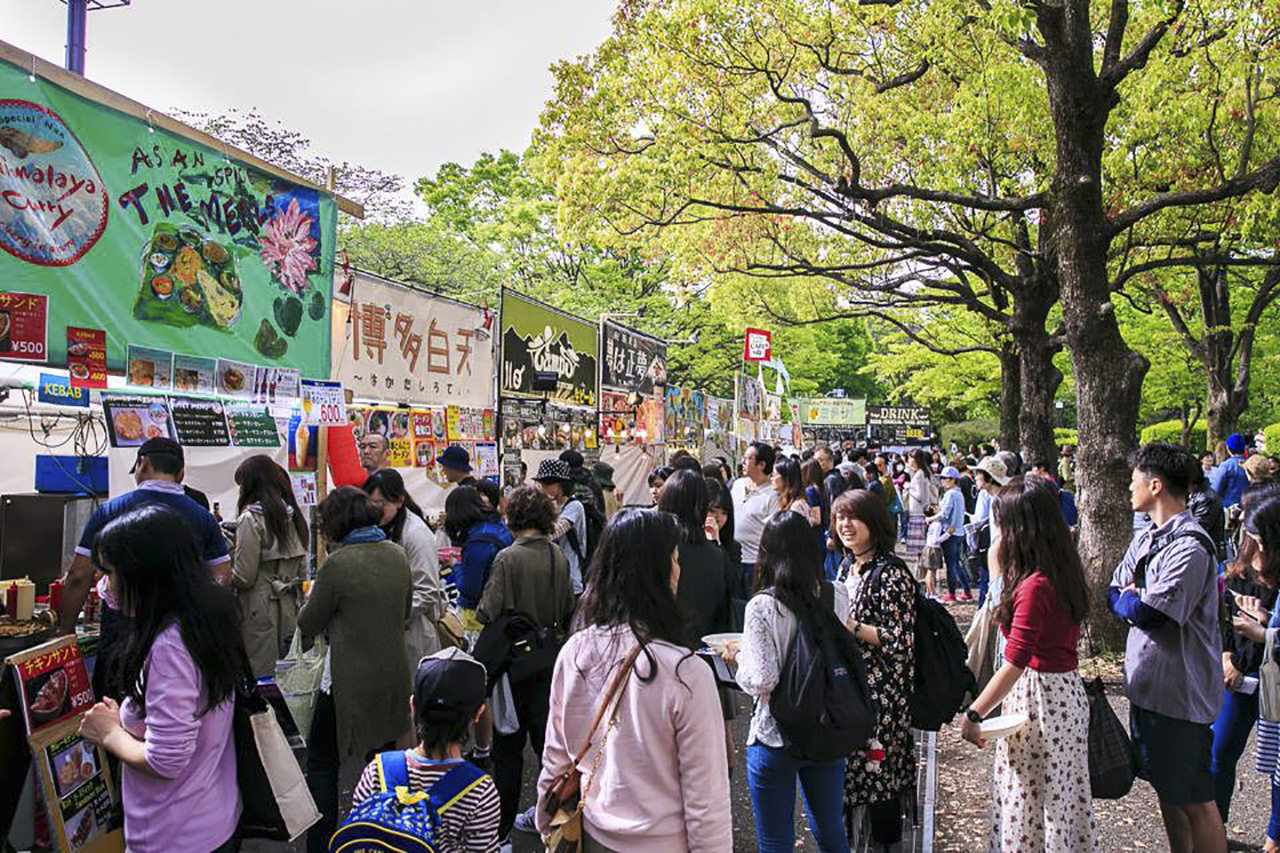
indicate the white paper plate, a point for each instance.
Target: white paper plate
{"x":717,"y":641}
{"x":1002,"y":726}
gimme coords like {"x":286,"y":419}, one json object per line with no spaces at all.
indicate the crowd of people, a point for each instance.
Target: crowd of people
{"x":555,"y":618}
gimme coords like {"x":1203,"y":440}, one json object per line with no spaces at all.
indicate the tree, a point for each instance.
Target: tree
{"x":982,"y":153}
{"x":381,"y":193}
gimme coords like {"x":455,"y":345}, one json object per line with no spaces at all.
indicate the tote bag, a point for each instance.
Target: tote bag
{"x":1111,"y":759}
{"x":1269,"y":680}
{"x":298,"y":677}
{"x":276,"y":803}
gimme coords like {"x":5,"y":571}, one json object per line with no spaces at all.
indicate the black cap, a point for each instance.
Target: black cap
{"x":456,"y":458}
{"x":154,"y":446}
{"x":573,"y":457}
{"x":449,"y":680}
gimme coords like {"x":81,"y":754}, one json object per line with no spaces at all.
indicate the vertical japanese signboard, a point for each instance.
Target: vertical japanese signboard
{"x":154,"y":238}
{"x":391,"y":342}
{"x":537,"y":338}
{"x":632,"y":361}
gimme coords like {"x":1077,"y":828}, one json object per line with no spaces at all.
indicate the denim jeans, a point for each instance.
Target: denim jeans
{"x":957,"y":575}
{"x":772,"y":773}
{"x":1230,"y":735}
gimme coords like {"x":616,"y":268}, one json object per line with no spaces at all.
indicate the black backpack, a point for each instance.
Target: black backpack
{"x":595,"y":527}
{"x":943,"y":679}
{"x":822,"y":704}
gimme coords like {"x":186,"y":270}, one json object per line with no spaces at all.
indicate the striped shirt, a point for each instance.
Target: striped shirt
{"x":469,"y":826}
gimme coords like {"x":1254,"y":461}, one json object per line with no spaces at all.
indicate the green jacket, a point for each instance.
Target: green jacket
{"x":362,"y":596}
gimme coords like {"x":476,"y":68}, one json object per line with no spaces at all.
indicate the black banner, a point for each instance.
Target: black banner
{"x":632,"y":361}
{"x":916,"y":416}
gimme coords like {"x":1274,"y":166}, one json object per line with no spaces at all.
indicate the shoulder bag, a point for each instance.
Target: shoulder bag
{"x":1269,"y":680}
{"x":566,"y":798}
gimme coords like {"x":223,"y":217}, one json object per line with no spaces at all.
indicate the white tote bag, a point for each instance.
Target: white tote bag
{"x":1269,"y":680}
{"x":277,"y":803}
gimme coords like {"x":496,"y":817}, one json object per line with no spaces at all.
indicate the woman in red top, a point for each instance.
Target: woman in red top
{"x":1041,"y":795}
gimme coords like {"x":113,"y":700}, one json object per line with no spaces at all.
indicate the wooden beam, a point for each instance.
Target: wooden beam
{"x":114,"y":100}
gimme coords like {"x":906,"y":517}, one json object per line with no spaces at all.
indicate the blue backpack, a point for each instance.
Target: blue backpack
{"x":397,"y":820}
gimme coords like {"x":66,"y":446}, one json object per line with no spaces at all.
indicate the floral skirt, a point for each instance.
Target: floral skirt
{"x":1040,"y":790}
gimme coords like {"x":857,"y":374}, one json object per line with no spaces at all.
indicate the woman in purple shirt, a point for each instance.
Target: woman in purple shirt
{"x":172,"y":732}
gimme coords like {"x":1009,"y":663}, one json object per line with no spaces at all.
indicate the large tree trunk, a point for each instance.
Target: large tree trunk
{"x":1010,"y":393}
{"x":1228,"y":383}
{"x":1108,"y":373}
{"x":1038,"y":377}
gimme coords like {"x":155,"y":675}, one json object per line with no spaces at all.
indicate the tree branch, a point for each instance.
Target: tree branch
{"x":1264,"y":178}
{"x":1137,"y":58}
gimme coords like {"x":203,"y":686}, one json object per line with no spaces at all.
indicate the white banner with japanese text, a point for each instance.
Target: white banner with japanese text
{"x":397,"y":344}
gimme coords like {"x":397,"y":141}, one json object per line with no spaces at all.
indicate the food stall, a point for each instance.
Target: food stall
{"x":156,"y":282}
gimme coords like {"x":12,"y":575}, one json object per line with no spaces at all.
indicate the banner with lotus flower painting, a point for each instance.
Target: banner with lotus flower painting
{"x":157,"y":239}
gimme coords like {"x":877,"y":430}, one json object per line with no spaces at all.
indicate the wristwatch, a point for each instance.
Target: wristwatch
{"x":973,"y":716}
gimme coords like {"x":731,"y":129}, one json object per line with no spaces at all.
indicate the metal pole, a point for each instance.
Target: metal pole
{"x":77,"y":20}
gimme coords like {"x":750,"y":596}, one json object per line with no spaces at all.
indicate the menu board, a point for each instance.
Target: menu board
{"x":53,"y":683}
{"x":235,"y":378}
{"x":485,"y":460}
{"x":24,"y":326}
{"x":422,"y":426}
{"x":87,"y":357}
{"x":133,"y":420}
{"x":149,"y":368}
{"x":251,"y":425}
{"x":304,"y":487}
{"x":199,"y":421}
{"x":76,"y":777}
{"x":424,"y":456}
{"x":466,"y":423}
{"x":192,"y":373}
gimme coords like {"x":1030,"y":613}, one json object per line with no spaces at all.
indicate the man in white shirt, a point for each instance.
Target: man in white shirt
{"x":754,"y":503}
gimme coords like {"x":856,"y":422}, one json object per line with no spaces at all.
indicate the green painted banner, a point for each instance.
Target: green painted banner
{"x":157,"y":239}
{"x":536,"y":338}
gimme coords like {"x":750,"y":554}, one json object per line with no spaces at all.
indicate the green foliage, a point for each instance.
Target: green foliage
{"x":1271,"y":436}
{"x":1063,"y":436}
{"x":964,"y":433}
{"x":1171,"y":431}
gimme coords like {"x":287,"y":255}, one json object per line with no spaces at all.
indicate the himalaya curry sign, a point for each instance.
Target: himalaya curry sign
{"x":157,"y":239}
{"x":537,"y":338}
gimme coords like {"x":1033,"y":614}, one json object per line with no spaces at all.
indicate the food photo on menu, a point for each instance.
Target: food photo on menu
{"x":73,"y":767}
{"x":135,"y":419}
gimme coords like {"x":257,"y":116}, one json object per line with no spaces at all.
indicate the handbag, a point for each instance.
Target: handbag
{"x":981,"y":640}
{"x":1269,"y":680}
{"x":299,"y":675}
{"x":276,"y":803}
{"x":533,"y":647}
{"x":1112,"y":764}
{"x":450,"y":631}
{"x":566,"y":798}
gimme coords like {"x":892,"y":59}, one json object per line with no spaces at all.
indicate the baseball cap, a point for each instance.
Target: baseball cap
{"x":950,"y":473}
{"x":449,"y":680}
{"x":573,"y":457}
{"x":153,"y":446}
{"x":1235,"y":443}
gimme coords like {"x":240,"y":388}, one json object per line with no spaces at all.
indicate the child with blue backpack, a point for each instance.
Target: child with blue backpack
{"x":429,"y":799}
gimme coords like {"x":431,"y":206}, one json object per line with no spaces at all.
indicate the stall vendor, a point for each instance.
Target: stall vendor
{"x":158,"y":472}
{"x":455,"y":466}
{"x":373,"y":452}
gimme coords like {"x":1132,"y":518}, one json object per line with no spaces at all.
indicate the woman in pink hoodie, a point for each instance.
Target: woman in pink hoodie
{"x":660,"y":783}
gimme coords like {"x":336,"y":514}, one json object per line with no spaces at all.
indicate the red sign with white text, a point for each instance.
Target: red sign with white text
{"x":24,"y":326}
{"x":54,"y":684}
{"x":759,"y":346}
{"x":87,"y":357}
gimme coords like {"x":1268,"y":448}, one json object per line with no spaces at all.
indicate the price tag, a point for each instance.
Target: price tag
{"x":24,"y":326}
{"x":323,"y":403}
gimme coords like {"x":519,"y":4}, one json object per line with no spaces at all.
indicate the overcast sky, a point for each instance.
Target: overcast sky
{"x":396,"y":85}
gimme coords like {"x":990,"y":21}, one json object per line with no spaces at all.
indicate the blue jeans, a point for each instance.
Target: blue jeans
{"x":772,"y":773}
{"x":1273,"y":825}
{"x":1230,"y":734}
{"x":957,"y":575}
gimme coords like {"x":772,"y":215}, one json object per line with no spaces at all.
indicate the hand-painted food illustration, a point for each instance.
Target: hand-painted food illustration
{"x":196,"y":268}
{"x":128,"y":425}
{"x":233,"y":379}
{"x":268,"y":341}
{"x":22,"y":143}
{"x":51,"y":696}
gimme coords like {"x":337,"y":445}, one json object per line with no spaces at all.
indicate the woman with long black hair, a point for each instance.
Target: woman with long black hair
{"x":1040,"y":788}
{"x":790,"y":568}
{"x":703,"y":594}
{"x":182,"y":662}
{"x":882,"y":616}
{"x":270,"y":561}
{"x":404,"y":524}
{"x":659,"y":781}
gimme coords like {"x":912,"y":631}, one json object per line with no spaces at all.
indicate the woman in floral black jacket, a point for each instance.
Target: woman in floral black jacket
{"x":882,"y":615}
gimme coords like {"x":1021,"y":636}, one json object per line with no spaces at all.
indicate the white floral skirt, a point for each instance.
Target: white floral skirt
{"x":1040,"y":788}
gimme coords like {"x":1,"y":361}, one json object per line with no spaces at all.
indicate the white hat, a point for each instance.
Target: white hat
{"x":995,"y":469}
